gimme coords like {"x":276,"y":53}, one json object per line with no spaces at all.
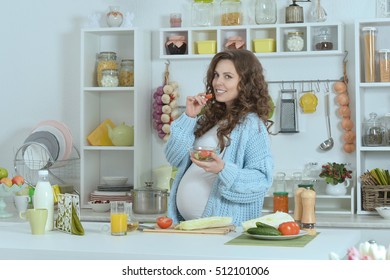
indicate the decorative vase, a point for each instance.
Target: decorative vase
{"x":337,"y":190}
{"x":114,"y":17}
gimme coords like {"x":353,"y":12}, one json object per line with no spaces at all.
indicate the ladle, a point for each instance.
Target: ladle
{"x":328,"y":143}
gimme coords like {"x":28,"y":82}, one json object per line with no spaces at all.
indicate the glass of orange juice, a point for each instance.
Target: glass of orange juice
{"x":118,"y":218}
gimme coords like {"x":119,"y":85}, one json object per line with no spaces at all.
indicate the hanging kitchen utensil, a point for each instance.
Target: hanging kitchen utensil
{"x":288,"y":111}
{"x":309,"y":100}
{"x":328,"y":143}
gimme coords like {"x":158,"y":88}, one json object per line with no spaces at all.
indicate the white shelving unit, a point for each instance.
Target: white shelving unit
{"x":370,"y":97}
{"x":325,"y":204}
{"x":250,"y":32}
{"x":120,"y":104}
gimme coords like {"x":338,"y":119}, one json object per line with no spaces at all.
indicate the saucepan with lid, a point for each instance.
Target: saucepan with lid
{"x":149,"y":200}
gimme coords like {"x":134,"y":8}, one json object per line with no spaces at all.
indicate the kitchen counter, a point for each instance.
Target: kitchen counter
{"x":18,"y":243}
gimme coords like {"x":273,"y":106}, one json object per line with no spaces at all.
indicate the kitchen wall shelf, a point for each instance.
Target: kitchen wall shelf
{"x":120,"y":104}
{"x":250,"y":32}
{"x":370,"y":97}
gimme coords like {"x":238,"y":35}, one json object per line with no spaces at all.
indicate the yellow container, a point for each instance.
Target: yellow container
{"x":206,"y":47}
{"x":264,"y":45}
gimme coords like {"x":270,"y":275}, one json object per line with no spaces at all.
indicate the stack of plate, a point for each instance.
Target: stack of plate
{"x":48,"y":142}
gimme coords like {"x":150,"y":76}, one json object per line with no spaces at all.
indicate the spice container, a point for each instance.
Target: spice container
{"x":126,"y":73}
{"x":175,"y":20}
{"x":369,"y":38}
{"x":106,"y":60}
{"x":110,"y":78}
{"x":323,"y":41}
{"x":202,"y":13}
{"x":231,"y":12}
{"x":280,"y":195}
{"x":176,"y":45}
{"x":295,"y":41}
{"x":384,"y":65}
{"x":373,"y":132}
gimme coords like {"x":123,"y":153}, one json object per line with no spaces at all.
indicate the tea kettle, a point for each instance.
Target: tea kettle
{"x":122,"y":135}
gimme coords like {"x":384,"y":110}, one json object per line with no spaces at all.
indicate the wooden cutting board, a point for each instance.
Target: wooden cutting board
{"x":217,"y":230}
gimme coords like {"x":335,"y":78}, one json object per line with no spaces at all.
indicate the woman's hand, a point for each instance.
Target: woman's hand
{"x":213,"y":166}
{"x":194,"y":104}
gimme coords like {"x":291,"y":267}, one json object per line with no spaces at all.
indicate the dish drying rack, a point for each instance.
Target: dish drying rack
{"x":61,"y":172}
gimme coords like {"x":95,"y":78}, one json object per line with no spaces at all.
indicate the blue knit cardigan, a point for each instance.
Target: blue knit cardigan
{"x":240,"y":187}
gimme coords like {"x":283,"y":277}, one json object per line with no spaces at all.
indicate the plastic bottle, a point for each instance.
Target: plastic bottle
{"x":44,"y":197}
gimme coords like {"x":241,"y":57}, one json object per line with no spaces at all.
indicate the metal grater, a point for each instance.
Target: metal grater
{"x":288,"y":111}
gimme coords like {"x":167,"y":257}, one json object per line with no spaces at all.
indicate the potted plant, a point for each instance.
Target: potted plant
{"x":337,"y":177}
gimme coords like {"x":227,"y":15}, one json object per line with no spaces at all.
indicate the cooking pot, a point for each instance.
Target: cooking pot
{"x":149,"y":200}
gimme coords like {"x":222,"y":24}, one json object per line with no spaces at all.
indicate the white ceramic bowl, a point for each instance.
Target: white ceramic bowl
{"x":203,"y":153}
{"x":384,"y":211}
{"x":100,"y":205}
{"x":115,"y":180}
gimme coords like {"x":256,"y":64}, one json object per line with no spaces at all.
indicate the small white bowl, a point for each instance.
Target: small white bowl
{"x":100,"y":206}
{"x":384,"y":212}
{"x":115,"y":180}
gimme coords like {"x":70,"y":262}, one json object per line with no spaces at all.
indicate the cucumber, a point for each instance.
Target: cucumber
{"x":264,"y":231}
{"x":263,"y":225}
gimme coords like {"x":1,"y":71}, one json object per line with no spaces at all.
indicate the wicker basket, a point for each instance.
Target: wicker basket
{"x":375,"y":196}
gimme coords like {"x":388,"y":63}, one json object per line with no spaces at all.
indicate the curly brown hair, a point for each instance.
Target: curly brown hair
{"x":253,"y":96}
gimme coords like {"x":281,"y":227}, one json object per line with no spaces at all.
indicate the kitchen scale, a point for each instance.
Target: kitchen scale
{"x":288,"y":111}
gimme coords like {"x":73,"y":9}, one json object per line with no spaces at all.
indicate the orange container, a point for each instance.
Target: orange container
{"x":281,"y":202}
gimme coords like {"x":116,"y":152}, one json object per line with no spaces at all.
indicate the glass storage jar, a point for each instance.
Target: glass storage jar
{"x":280,"y":195}
{"x":202,"y":13}
{"x":295,"y":41}
{"x":386,"y":124}
{"x":265,"y":11}
{"x":369,"y":39}
{"x":176,"y":44}
{"x":105,"y":60}
{"x":114,"y":17}
{"x":110,"y":78}
{"x":231,"y":12}
{"x":384,"y":65}
{"x":373,"y":131}
{"x":126,"y":73}
{"x":323,"y":40}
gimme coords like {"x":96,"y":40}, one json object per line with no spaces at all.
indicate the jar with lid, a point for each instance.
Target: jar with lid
{"x":384,"y":65}
{"x":294,"y":13}
{"x":126,"y":73}
{"x":106,"y":60}
{"x":231,"y":12}
{"x":114,"y":17}
{"x":369,"y":39}
{"x":110,"y":78}
{"x":323,"y":40}
{"x":373,"y":131}
{"x":280,"y":195}
{"x":295,"y":41}
{"x":176,"y":44}
{"x":202,"y":13}
{"x":265,"y":11}
{"x":386,"y":124}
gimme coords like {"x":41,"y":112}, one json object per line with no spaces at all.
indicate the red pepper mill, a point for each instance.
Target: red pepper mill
{"x":308,"y":220}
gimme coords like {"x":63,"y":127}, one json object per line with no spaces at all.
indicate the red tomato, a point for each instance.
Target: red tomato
{"x":209,"y":96}
{"x":289,"y":228}
{"x":164,"y":222}
{"x":205,"y":154}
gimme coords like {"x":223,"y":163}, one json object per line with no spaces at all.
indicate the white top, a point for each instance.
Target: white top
{"x":195,"y":186}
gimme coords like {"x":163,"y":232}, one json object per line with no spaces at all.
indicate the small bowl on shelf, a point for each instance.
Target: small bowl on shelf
{"x":100,"y":206}
{"x":384,"y":211}
{"x":115,"y":180}
{"x":203,"y":153}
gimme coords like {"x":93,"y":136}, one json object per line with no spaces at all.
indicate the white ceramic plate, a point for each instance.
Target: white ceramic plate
{"x":58,"y":134}
{"x":277,"y":237}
